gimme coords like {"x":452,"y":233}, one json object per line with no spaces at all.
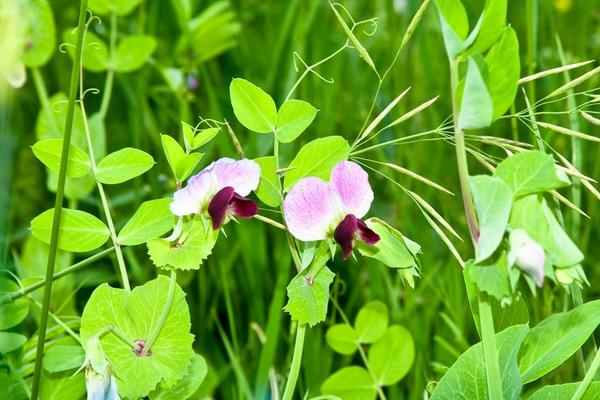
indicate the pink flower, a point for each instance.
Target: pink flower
{"x":317,"y":210}
{"x":219,"y":189}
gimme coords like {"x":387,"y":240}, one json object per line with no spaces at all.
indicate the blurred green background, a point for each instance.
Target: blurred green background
{"x":240,"y":291}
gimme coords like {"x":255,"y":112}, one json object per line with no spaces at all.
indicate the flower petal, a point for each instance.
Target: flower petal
{"x":352,"y":185}
{"x":366,"y":234}
{"x":309,"y":209}
{"x":242,"y":175}
{"x":344,"y":234}
{"x":217,"y":209}
{"x":184,"y":203}
{"x":531,"y":259}
{"x":196,"y":195}
{"x":243,"y":207}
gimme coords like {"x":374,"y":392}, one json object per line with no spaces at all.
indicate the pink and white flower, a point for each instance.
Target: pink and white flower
{"x":219,"y":189}
{"x":528,"y":255}
{"x":318,"y":210}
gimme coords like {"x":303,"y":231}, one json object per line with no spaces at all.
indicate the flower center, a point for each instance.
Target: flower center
{"x":351,"y":228}
{"x":138,"y":350}
{"x":226,"y":200}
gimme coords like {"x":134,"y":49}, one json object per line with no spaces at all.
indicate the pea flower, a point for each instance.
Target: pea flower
{"x":100,"y":383}
{"x":318,"y":210}
{"x":219,"y":189}
{"x":528,"y":255}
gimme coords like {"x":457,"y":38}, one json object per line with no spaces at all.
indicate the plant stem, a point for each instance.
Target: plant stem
{"x":290,"y":385}
{"x":60,"y":323}
{"x":110,"y":75}
{"x":163,"y":314}
{"x":461,"y":159}
{"x":587,"y":379}
{"x":490,"y":352}
{"x":60,"y":190}
{"x":75,"y":267}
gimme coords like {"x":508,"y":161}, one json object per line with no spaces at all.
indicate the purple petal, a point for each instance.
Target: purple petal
{"x":352,"y":184}
{"x":243,"y":207}
{"x":344,"y":234}
{"x":217,"y":209}
{"x":309,"y":209}
{"x":366,"y":234}
{"x":242,"y":175}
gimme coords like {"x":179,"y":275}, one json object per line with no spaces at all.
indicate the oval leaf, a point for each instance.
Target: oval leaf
{"x":350,"y":383}
{"x":12,"y":313}
{"x":10,"y":341}
{"x":252,"y":106}
{"x":79,"y":231}
{"x":269,"y":186}
{"x":41,"y":31}
{"x":476,"y":107}
{"x":293,"y":118}
{"x":123,"y":165}
{"x":132,"y":52}
{"x":152,"y":219}
{"x":392,"y":356}
{"x":95,"y":56}
{"x":342,"y":338}
{"x":504,"y":69}
{"x":119,"y":7}
{"x":63,"y":358}
{"x":49,"y":153}
{"x":371,"y":322}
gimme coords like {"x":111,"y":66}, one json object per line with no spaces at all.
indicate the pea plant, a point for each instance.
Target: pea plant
{"x":136,"y":340}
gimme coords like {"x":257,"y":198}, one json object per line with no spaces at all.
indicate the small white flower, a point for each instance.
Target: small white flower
{"x":99,"y":381}
{"x":528,"y":255}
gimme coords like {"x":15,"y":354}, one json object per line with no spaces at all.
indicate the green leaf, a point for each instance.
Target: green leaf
{"x":466,"y":378}
{"x":293,"y":118}
{"x":120,"y":7}
{"x":494,"y":21}
{"x":186,"y":165}
{"x":491,"y":276}
{"x":188,"y":135}
{"x":152,"y":219}
{"x":41,"y":33}
{"x":63,"y":358}
{"x":11,"y":314}
{"x":123,"y":165}
{"x":269,"y":186}
{"x":504,"y":68}
{"x":392,"y":356}
{"x":493,"y":200}
{"x":342,"y":339}
{"x":62,"y":386}
{"x":566,"y":391}
{"x":529,"y":172}
{"x":555,"y":339}
{"x":308,"y":292}
{"x":204,"y":136}
{"x":79,"y":231}
{"x":534,"y":216}
{"x":476,"y":108}
{"x":455,"y":25}
{"x":49,"y":153}
{"x":132,"y":52}
{"x":252,"y":106}
{"x":187,"y":386}
{"x":391,"y":249}
{"x":95,"y":56}
{"x":350,"y":383}
{"x":317,"y":158}
{"x":173,"y":152}
{"x":135,"y":314}
{"x":190,"y":254}
{"x":371,"y":322}
{"x":10,"y":341}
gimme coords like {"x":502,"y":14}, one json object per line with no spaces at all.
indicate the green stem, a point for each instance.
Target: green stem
{"x":290,"y":385}
{"x":60,"y":323}
{"x":490,"y":352}
{"x":163,"y":314}
{"x":110,"y":75}
{"x":589,"y":376}
{"x":69,"y":270}
{"x":60,"y":189}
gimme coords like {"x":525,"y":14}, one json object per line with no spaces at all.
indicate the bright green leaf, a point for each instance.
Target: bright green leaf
{"x":494,"y":21}
{"x":120,"y":7}
{"x":391,"y":249}
{"x":10,"y":341}
{"x":49,"y":152}
{"x":371,"y":322}
{"x":455,"y":25}
{"x":555,"y":339}
{"x":132,"y":52}
{"x":95,"y":54}
{"x":566,"y":391}
{"x":529,"y":172}
{"x":188,"y":135}
{"x":269,"y":186}
{"x":123,"y":165}
{"x":350,"y":383}
{"x":476,"y":107}
{"x":136,"y":313}
{"x":79,"y":231}
{"x":14,"y":312}
{"x":173,"y":152}
{"x":41,"y":33}
{"x":317,"y":158}
{"x":186,"y":386}
{"x":63,"y":358}
{"x":493,"y":200}
{"x":152,"y":219}
{"x":204,"y":136}
{"x":504,"y":70}
{"x":342,"y":339}
{"x":293,"y":117}
{"x":491,"y":276}
{"x":187,"y":255}
{"x":186,"y":165}
{"x":392,"y":356}
{"x":252,"y":106}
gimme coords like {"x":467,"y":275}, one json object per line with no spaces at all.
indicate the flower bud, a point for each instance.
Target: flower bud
{"x":99,"y":381}
{"x":528,"y":255}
